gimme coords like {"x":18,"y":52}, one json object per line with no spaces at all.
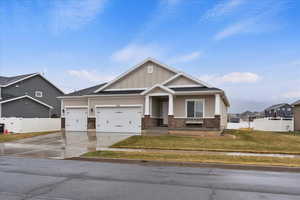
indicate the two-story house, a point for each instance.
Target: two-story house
{"x":279,"y":110}
{"x":29,"y":96}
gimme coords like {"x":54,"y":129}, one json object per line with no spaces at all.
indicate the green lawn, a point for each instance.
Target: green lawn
{"x":245,"y":141}
{"x":12,"y":137}
{"x":196,"y":158}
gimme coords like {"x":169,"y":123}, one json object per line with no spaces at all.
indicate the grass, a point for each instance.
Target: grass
{"x":196,"y":158}
{"x":245,"y":141}
{"x":19,"y":136}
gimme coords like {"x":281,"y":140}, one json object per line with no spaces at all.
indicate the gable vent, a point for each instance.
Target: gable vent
{"x":150,"y":69}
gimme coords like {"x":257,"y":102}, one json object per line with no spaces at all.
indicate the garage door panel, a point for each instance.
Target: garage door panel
{"x":123,"y":119}
{"x":76,"y":119}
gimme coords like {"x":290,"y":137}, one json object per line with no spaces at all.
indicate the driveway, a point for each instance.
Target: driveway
{"x":60,"y":145}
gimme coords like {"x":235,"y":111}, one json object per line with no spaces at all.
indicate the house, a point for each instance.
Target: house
{"x":296,"y":111}
{"x":283,"y":110}
{"x":149,"y":95}
{"x":250,"y":116}
{"x":29,"y":96}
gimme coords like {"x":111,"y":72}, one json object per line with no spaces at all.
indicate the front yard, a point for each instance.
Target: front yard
{"x":19,"y":136}
{"x":245,"y":141}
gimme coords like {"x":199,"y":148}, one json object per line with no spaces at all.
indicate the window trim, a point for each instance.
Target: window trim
{"x":150,"y":69}
{"x":203,"y":107}
{"x":38,"y":96}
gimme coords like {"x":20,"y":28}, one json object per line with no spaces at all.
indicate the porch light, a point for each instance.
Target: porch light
{"x":92,"y":110}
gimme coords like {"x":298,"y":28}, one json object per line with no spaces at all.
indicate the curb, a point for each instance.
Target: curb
{"x":189,"y":164}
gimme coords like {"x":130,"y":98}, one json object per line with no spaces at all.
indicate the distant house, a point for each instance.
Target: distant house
{"x":250,"y":116}
{"x":283,"y":110}
{"x":296,"y":111}
{"x":29,"y":96}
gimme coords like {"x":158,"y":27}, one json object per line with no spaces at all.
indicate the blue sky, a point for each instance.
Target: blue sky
{"x":249,"y":48}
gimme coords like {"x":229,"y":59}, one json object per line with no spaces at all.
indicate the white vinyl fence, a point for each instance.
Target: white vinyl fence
{"x":239,"y":125}
{"x":30,"y":125}
{"x":280,"y":125}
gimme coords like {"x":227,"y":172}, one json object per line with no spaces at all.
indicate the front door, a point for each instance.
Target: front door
{"x":165,"y":111}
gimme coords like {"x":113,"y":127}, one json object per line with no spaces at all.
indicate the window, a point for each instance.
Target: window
{"x":38,"y":93}
{"x":150,"y":69}
{"x":289,"y":109}
{"x":195,"y":108}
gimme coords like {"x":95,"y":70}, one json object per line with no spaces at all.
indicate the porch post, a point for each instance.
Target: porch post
{"x":217,"y":104}
{"x":147,"y":105}
{"x":171,"y":107}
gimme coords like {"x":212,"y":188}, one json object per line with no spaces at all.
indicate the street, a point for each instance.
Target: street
{"x":43,"y":179}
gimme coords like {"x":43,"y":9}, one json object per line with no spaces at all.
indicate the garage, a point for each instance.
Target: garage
{"x":123,"y":119}
{"x":76,"y":119}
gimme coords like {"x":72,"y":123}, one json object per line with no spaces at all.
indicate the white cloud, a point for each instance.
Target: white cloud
{"x":291,"y":95}
{"x":90,"y":76}
{"x":136,"y":52}
{"x":186,"y":57}
{"x":71,"y":15}
{"x":233,"y":77}
{"x":241,"y":27}
{"x":223,"y":8}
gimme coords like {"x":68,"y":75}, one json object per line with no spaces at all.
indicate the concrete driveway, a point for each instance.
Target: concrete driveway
{"x":61,"y":145}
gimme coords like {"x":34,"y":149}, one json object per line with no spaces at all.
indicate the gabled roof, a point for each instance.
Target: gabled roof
{"x":7,"y":81}
{"x":186,"y":76}
{"x":134,"y":68}
{"x":85,"y":91}
{"x":22,"y":97}
{"x":158,"y":86}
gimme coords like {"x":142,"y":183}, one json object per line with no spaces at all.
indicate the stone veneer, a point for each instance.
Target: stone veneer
{"x":63,"y":122}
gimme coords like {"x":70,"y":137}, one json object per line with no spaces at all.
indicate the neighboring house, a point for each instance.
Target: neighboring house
{"x":29,"y":96}
{"x":283,"y":110}
{"x":250,"y":116}
{"x":149,"y":95}
{"x":296,"y":111}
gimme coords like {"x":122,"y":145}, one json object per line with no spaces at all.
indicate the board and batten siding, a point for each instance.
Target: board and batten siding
{"x":180,"y":109}
{"x":182,"y":81}
{"x":140,"y":78}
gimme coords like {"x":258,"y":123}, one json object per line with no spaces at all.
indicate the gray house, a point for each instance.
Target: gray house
{"x":29,"y":96}
{"x":279,"y":110}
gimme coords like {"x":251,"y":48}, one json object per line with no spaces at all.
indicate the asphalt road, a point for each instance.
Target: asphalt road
{"x":43,"y":179}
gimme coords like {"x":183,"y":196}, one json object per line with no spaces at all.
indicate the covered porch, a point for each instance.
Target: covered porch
{"x":167,"y":111}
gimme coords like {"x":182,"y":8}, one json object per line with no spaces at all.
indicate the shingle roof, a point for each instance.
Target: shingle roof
{"x":274,"y":107}
{"x":120,"y":92}
{"x":85,"y":91}
{"x":296,"y":103}
{"x":7,"y":80}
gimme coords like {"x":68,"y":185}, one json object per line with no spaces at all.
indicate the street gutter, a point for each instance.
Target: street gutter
{"x":189,"y":164}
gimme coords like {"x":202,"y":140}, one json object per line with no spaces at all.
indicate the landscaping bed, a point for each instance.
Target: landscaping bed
{"x":244,"y":141}
{"x":19,"y":136}
{"x":195,"y":158}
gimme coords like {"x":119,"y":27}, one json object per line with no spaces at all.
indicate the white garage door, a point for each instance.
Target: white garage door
{"x":119,"y":119}
{"x":76,"y":119}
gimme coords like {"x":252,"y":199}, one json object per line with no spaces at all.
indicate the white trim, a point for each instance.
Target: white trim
{"x":180,"y":86}
{"x":158,"y":94}
{"x":70,"y":97}
{"x":203,"y":107}
{"x":188,"y":77}
{"x":132,"y":105}
{"x":171,"y":105}
{"x":112,"y":95}
{"x":199,"y":118}
{"x":66,"y":107}
{"x":27,"y":77}
{"x":217,"y":104}
{"x":198,"y":92}
{"x":105,"y":106}
{"x":134,"y":68}
{"x":27,"y":96}
{"x":124,"y":89}
{"x":147,"y":105}
{"x":38,"y":94}
{"x":157,"y":86}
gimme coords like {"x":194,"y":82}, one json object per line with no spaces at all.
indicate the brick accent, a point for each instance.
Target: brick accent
{"x":63,"y":122}
{"x":148,"y":122}
{"x":214,"y":123}
{"x":91,"y":123}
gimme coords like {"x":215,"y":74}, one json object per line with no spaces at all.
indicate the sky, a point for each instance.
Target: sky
{"x":249,"y":48}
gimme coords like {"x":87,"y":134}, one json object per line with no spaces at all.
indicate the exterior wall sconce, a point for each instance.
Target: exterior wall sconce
{"x":92,"y":110}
